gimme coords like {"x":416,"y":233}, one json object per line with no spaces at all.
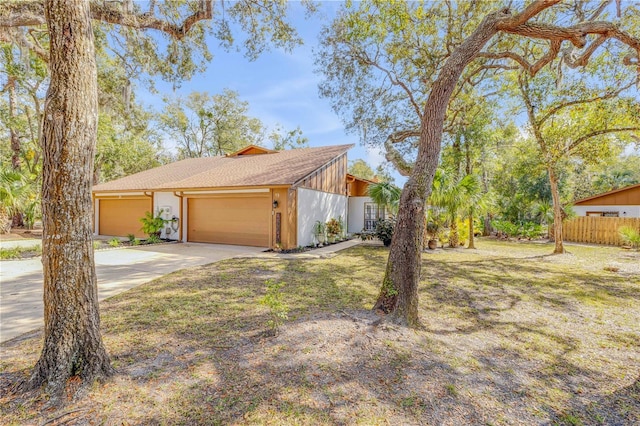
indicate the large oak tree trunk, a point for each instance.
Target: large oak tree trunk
{"x":557,"y":212}
{"x":72,"y":341}
{"x":399,"y":292}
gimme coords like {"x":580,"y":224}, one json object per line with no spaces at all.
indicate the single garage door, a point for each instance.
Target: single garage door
{"x":121,"y":217}
{"x":240,"y":219}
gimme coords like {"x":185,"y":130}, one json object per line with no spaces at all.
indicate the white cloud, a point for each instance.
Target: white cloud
{"x":375,"y":157}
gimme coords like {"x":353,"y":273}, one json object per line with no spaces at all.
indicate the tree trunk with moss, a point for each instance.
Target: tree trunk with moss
{"x":72,"y":342}
{"x":399,"y":292}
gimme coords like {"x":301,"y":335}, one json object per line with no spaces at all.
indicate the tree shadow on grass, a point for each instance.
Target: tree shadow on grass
{"x":190,"y":349}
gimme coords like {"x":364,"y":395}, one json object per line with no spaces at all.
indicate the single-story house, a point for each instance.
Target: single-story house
{"x":623,"y":202}
{"x":255,"y":196}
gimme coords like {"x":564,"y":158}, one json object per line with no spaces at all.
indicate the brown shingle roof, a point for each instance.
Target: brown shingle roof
{"x":278,"y":168}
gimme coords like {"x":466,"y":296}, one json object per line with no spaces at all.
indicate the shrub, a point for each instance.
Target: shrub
{"x":504,"y":226}
{"x":334,"y":227}
{"x":114,"y":242}
{"x":384,"y":230}
{"x":463,"y":232}
{"x":630,"y":236}
{"x":152,"y":225}
{"x":153,"y":239}
{"x":531,"y":230}
{"x":367,"y":235}
{"x":131,"y":238}
{"x":278,"y":310}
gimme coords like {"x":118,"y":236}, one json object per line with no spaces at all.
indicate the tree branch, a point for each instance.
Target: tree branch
{"x":573,"y":145}
{"x":529,"y":12}
{"x":394,"y":80}
{"x":393,"y":155}
{"x":17,"y":36}
{"x":602,"y":97}
{"x":31,"y":13}
{"x":532,"y":69}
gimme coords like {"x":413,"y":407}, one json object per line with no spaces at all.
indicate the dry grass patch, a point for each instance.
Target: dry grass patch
{"x":511,"y":336}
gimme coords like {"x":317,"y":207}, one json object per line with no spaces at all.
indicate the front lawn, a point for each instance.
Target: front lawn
{"x":511,"y":336}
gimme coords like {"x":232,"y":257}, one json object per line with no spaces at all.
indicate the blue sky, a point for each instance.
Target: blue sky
{"x":280,"y":87}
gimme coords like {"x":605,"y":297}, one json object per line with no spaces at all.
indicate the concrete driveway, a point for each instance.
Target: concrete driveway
{"x":21,"y":282}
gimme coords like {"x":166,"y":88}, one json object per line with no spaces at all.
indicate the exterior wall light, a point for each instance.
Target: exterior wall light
{"x":275,"y":204}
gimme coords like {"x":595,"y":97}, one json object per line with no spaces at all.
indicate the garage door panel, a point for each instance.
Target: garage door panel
{"x":121,"y":217}
{"x":241,"y":220}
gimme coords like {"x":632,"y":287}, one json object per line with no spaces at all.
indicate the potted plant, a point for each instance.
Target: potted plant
{"x":152,"y":225}
{"x":384,"y":230}
{"x":343,"y":229}
{"x":333,"y":229}
{"x":319,"y":229}
{"x":432,"y":229}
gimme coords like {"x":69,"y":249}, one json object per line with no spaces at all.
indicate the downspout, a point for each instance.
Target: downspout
{"x":180,"y":196}
{"x":150,"y":195}
{"x":93,"y":210}
{"x":152,"y":200}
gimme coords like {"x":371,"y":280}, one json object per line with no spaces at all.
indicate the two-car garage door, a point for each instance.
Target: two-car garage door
{"x":242,"y":219}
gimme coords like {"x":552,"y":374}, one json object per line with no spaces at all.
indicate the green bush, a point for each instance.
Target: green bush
{"x":131,"y":238}
{"x":504,"y":226}
{"x":528,"y":230}
{"x":153,"y":239}
{"x":114,"y":242}
{"x":384,"y":230}
{"x":531,"y":230}
{"x":152,"y":225}
{"x":630,"y":236}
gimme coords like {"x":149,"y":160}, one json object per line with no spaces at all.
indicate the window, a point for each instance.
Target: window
{"x":604,"y":214}
{"x":372,"y":213}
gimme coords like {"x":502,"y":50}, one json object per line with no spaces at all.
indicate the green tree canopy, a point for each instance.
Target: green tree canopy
{"x":361,"y":169}
{"x":204,"y":125}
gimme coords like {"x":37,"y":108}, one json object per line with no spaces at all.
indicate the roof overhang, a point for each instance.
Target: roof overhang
{"x":604,"y":194}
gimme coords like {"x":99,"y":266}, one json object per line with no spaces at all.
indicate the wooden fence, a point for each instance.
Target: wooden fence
{"x":597,"y":230}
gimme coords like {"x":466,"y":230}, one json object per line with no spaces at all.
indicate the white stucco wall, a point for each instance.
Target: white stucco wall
{"x":356,"y":214}
{"x":316,"y":205}
{"x":631,"y":211}
{"x":171,"y":204}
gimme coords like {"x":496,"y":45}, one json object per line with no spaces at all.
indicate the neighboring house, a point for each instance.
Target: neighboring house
{"x":256,"y":197}
{"x":624,"y":202}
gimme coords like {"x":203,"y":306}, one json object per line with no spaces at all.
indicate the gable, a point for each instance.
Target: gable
{"x":251,"y":150}
{"x":629,"y":196}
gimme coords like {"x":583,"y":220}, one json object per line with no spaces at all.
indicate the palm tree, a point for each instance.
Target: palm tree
{"x":385,"y":194}
{"x":17,"y":195}
{"x":456,"y":195}
{"x":544,"y":212}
